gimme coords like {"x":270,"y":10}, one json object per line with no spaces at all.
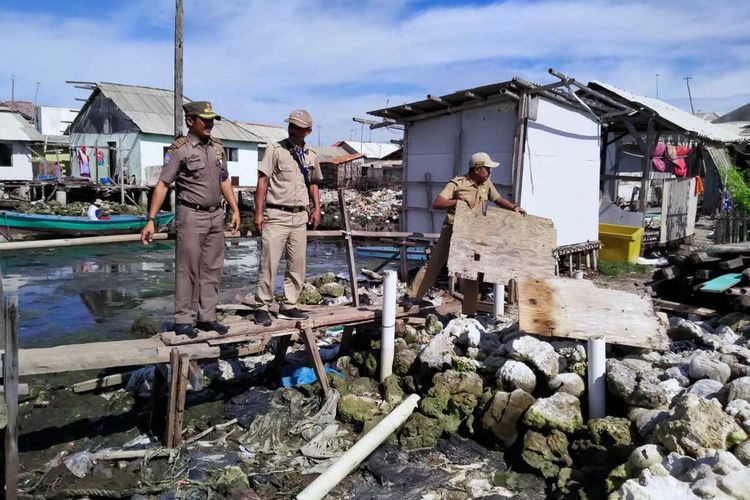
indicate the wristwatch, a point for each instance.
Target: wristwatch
{"x":149,"y":218}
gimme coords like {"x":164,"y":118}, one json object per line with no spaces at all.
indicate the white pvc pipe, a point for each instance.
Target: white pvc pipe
{"x":388,"y":332}
{"x":361,"y":450}
{"x":597,"y":368}
{"x":499,"y":306}
{"x":61,"y":197}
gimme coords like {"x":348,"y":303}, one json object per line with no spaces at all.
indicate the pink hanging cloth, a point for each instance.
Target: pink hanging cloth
{"x":657,"y":158}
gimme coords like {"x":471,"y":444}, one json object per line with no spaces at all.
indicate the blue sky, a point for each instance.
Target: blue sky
{"x":259,"y":59}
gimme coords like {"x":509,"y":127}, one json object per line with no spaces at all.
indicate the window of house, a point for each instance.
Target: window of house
{"x":232,"y":154}
{"x":6,"y":154}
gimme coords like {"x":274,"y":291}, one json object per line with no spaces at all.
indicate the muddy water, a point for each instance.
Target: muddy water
{"x":94,"y":293}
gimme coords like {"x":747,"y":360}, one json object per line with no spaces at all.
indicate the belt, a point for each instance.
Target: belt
{"x":200,"y":208}
{"x":293,"y":210}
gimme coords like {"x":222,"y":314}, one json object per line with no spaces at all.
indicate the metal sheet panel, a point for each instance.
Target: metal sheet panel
{"x":561,"y":172}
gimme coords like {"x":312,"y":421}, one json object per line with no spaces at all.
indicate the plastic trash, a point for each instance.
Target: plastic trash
{"x":79,"y":464}
{"x":293,"y":376}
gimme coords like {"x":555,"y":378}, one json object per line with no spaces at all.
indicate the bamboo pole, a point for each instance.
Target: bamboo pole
{"x":10,"y":385}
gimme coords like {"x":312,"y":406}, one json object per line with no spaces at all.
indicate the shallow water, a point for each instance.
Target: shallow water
{"x":93,"y":293}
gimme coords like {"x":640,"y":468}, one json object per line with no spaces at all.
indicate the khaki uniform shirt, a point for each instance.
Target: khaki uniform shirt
{"x":197,"y":168}
{"x":286,"y":184}
{"x":463,"y":188}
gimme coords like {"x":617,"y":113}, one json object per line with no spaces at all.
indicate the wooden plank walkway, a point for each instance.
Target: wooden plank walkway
{"x":207,"y":345}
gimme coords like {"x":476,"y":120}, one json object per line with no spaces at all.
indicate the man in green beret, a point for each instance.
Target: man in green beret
{"x":196,"y":163}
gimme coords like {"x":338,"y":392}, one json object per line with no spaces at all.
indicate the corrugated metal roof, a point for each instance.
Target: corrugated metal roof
{"x":740,"y":128}
{"x":343,"y":159}
{"x":152,"y":111}
{"x":741,"y":114}
{"x":371,"y":149}
{"x":268,"y":133}
{"x":677,"y":117}
{"x":14,"y":127}
{"x":327,"y":153}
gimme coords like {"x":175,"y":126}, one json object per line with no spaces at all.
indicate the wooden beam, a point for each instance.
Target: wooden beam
{"x":10,"y":384}
{"x":109,"y":381}
{"x":349,"y":249}
{"x":684,"y":309}
{"x":174,"y":372}
{"x":735,"y":263}
{"x":314,"y":354}
{"x":635,"y":135}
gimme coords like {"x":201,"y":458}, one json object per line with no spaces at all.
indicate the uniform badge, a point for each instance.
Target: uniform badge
{"x":168,"y":156}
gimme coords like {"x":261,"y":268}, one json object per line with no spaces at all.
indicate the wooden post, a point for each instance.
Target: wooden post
{"x":428,"y":193}
{"x":10,"y":387}
{"x":178,"y":44}
{"x":346,"y":339}
{"x":595,"y":259}
{"x":282,"y":344}
{"x":403,"y":261}
{"x":158,"y":402}
{"x":646,"y":174}
{"x":314,"y":353}
{"x":180,"y":368}
{"x":349,"y":248}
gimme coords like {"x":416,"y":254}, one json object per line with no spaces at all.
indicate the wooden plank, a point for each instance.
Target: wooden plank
{"x":720,"y":284}
{"x":728,"y":248}
{"x":577,"y":309}
{"x":684,"y":309}
{"x":318,"y":318}
{"x":670,"y":273}
{"x":349,"y":248}
{"x":702,"y":258}
{"x":259,"y":338}
{"x":10,"y":385}
{"x":501,"y":245}
{"x":314,"y":353}
{"x":174,"y":374}
{"x":727,"y":265}
{"x":109,"y":381}
{"x":182,"y":386}
{"x":98,"y":355}
{"x":678,"y":204}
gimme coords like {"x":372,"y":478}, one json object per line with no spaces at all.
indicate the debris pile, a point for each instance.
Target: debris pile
{"x":712,"y":277}
{"x":368,"y":210}
{"x":77,"y":208}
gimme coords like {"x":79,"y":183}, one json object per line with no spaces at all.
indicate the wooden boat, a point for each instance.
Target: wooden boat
{"x":14,"y":225}
{"x":388,"y":252}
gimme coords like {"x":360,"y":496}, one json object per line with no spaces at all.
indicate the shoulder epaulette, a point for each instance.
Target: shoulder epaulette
{"x":309,"y":150}
{"x":179,"y":142}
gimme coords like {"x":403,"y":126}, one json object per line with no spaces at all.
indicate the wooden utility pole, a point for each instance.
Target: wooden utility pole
{"x":10,"y":387}
{"x":178,"y":43}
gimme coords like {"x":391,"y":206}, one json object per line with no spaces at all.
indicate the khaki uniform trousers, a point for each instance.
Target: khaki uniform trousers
{"x":283,"y":230}
{"x":199,"y":259}
{"x":427,"y":275}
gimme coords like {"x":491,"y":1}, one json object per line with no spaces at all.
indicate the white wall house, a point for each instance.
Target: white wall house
{"x":17,"y":138}
{"x":133,"y":126}
{"x":548,"y":150}
{"x":53,"y":120}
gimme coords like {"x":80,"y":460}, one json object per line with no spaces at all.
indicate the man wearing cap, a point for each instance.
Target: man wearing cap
{"x":474,"y":189}
{"x":288,"y":179}
{"x":198,"y":166}
{"x":95,"y":210}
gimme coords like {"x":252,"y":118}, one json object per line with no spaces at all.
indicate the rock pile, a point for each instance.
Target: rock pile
{"x":677,"y":420}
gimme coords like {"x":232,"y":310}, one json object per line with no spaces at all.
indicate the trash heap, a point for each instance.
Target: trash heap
{"x":376,"y":210}
{"x":77,"y":208}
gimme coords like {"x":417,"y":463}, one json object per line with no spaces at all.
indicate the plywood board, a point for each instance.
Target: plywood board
{"x":501,"y":245}
{"x":577,"y":309}
{"x":678,"y":209}
{"x":722,"y":283}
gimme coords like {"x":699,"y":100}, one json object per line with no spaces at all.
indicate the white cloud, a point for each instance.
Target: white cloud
{"x":259,"y":59}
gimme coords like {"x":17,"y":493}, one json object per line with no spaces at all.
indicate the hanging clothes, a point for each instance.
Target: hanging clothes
{"x":676,"y":156}
{"x":657,"y":159}
{"x":99,"y":158}
{"x":698,"y":186}
{"x":83,"y":162}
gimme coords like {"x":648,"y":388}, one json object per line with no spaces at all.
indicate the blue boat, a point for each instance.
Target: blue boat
{"x":389,"y":252}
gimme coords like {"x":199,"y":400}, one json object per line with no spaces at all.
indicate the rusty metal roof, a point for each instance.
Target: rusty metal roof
{"x":152,"y":111}
{"x":681,"y":120}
